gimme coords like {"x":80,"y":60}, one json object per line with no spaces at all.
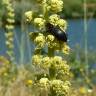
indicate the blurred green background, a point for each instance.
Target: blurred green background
{"x":72,"y":8}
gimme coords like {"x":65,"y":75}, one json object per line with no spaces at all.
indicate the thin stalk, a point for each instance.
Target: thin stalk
{"x":85,"y":36}
{"x":28,"y":45}
{"x":50,"y":52}
{"x":22,"y":37}
{"x":52,"y":70}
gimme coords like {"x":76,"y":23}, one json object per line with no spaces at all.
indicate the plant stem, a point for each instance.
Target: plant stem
{"x":85,"y":35}
{"x":50,"y":52}
{"x":52,"y":69}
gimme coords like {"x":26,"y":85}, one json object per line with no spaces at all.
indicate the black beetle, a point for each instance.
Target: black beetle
{"x":56,"y":31}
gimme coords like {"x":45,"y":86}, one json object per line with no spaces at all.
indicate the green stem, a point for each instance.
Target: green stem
{"x":52,"y":70}
{"x":45,"y":11}
{"x":50,"y":52}
{"x":85,"y":35}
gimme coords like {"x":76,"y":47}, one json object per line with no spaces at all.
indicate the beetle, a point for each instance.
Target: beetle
{"x":57,"y":32}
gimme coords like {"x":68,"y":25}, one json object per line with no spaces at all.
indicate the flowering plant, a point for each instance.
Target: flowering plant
{"x":53,"y":70}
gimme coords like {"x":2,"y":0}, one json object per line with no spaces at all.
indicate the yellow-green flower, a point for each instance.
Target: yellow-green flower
{"x":9,"y":44}
{"x":29,"y":15}
{"x":11,"y":14}
{"x":50,"y":38}
{"x":83,"y":90}
{"x":9,"y":34}
{"x":10,"y":9}
{"x":46,"y":62}
{"x":5,"y":74}
{"x":56,"y":5}
{"x":57,"y":60}
{"x":52,"y":42}
{"x":66,"y":87}
{"x":5,"y":2}
{"x":9,"y":27}
{"x":60,"y":88}
{"x":56,"y":82}
{"x":4,"y":70}
{"x":39,"y":22}
{"x":66,"y":49}
{"x":36,"y":59}
{"x":56,"y":85}
{"x":53,"y":19}
{"x":10,"y":20}
{"x":29,"y":82}
{"x":63,"y":68}
{"x":62,"y":24}
{"x":40,"y":40}
{"x":3,"y":60}
{"x":44,"y":82}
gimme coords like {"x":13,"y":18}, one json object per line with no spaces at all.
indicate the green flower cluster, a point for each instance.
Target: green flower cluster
{"x":44,"y":82}
{"x":40,"y":40}
{"x":56,"y":87}
{"x":39,"y":22}
{"x":55,"y":20}
{"x":57,"y":71}
{"x":55,"y":5}
{"x":29,"y":15}
{"x":52,"y":5}
{"x":59,"y":65}
{"x":9,"y":27}
{"x":60,"y":88}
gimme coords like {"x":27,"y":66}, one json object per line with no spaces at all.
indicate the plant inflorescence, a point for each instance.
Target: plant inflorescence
{"x":52,"y":71}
